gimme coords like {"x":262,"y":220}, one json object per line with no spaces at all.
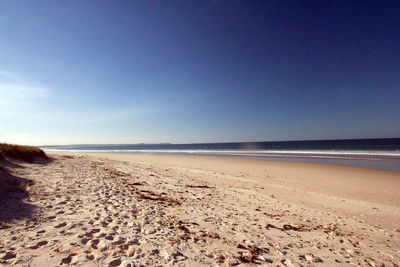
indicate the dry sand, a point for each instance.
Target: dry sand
{"x":121,"y":210}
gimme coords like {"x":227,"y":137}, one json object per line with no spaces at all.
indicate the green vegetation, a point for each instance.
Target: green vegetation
{"x":27,"y":153}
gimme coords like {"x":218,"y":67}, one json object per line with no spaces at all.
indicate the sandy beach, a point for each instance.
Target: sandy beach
{"x":132,"y":210}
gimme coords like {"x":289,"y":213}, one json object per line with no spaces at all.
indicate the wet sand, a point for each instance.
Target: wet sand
{"x":121,"y":209}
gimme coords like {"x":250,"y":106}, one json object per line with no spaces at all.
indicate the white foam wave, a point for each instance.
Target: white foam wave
{"x":341,"y":153}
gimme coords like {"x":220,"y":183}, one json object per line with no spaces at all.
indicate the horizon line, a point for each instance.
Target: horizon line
{"x":230,"y":142}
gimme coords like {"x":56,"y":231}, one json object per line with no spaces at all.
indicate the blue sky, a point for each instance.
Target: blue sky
{"x":198,"y":71}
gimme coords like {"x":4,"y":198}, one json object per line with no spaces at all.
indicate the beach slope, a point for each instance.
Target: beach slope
{"x":120,"y":209}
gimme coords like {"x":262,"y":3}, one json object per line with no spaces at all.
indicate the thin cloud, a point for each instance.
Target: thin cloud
{"x":22,"y":135}
{"x":15,"y":91}
{"x":105,"y":115}
{"x":16,"y":95}
{"x":9,"y":75}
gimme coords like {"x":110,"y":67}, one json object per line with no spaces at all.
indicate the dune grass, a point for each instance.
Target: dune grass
{"x":27,"y":153}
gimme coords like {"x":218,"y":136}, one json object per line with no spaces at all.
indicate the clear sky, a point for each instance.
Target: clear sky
{"x":198,"y":71}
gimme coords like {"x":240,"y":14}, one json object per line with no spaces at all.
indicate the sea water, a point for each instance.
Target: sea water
{"x":369,"y":153}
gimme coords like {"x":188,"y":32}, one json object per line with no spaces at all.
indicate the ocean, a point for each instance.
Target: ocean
{"x":383,"y":153}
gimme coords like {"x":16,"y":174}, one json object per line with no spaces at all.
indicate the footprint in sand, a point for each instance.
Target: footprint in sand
{"x":39,"y":244}
{"x":89,"y":235}
{"x":72,"y":226}
{"x":94,"y":244}
{"x":115,"y":262}
{"x":90,"y":257}
{"x":110,"y":237}
{"x":9,"y":255}
{"x":61,"y":225}
{"x":94,"y":231}
{"x":68,"y":259}
{"x":84,"y":241}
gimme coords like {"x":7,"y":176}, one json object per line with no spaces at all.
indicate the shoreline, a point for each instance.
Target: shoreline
{"x":225,"y":164}
{"x":101,"y":209}
{"x":379,"y":163}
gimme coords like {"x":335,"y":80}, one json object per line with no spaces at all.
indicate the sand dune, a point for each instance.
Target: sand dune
{"x":127,"y":210}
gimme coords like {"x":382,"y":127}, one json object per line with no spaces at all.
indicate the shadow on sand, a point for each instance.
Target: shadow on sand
{"x":13,"y":192}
